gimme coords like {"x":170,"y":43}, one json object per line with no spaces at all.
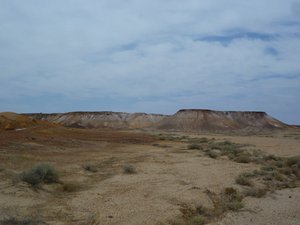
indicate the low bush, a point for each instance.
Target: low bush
{"x":42,"y":173}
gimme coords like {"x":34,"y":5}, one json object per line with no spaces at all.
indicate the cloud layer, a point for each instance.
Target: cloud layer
{"x":153,"y":56}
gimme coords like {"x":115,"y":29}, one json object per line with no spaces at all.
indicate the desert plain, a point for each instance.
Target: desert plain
{"x":106,"y":176}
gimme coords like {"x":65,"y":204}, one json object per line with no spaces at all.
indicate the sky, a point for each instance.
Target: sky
{"x":155,"y":56}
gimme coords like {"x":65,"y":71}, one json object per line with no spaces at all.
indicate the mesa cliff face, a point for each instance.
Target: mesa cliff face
{"x":183,"y":120}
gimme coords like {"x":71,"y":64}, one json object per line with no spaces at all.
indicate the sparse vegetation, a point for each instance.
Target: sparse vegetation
{"x":275,"y":173}
{"x":42,"y":173}
{"x":228,"y":200}
{"x":234,"y":152}
{"x":129,"y":169}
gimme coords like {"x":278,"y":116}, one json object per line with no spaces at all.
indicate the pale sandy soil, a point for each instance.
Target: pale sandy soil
{"x":168,"y":178}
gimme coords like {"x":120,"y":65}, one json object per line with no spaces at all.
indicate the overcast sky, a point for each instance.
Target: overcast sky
{"x":153,"y":56}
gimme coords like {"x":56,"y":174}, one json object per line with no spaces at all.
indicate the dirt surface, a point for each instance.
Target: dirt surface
{"x":169,"y":177}
{"x":281,"y":207}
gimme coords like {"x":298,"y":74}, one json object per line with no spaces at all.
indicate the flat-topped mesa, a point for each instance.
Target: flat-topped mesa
{"x":204,"y":119}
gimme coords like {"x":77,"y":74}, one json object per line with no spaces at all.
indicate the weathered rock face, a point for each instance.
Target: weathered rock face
{"x":102,"y":119}
{"x":201,"y":120}
{"x":183,"y":120}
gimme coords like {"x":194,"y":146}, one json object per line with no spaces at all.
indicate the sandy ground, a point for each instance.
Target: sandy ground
{"x":281,"y":207}
{"x":168,"y":178}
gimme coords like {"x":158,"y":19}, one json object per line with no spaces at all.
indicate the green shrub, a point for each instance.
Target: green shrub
{"x":42,"y":173}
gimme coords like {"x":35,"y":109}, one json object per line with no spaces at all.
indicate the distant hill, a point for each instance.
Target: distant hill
{"x":12,"y":121}
{"x":118,"y":120}
{"x":183,"y":120}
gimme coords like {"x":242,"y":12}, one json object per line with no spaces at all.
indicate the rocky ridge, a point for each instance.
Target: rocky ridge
{"x":183,"y":120}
